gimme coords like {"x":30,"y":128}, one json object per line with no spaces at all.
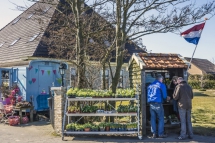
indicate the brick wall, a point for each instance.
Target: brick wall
{"x":58,"y":108}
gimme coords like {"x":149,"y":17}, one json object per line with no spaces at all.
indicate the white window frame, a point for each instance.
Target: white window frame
{"x":72,"y":73}
{"x":29,"y":17}
{"x":44,"y":11}
{"x":15,"y":41}
{"x":2,"y":44}
{"x":120,"y":84}
{"x":34,"y":37}
{"x":16,"y":20}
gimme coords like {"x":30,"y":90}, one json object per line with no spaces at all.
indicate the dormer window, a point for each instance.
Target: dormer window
{"x":30,"y":16}
{"x":14,"y":42}
{"x":34,"y":37}
{"x":2,"y":44}
{"x":45,"y":10}
{"x":16,"y":20}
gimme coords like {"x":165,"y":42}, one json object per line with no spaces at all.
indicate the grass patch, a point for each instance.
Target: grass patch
{"x":55,"y":134}
{"x":203,"y":112}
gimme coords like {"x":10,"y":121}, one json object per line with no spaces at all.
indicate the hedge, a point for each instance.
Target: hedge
{"x":207,"y":84}
{"x":199,"y":77}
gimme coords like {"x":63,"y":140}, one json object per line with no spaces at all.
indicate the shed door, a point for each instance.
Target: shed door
{"x":46,"y":78}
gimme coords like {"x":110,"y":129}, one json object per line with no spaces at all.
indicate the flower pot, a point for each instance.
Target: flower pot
{"x":102,"y":129}
{"x":107,"y":128}
{"x":71,"y":96}
{"x":86,"y":129}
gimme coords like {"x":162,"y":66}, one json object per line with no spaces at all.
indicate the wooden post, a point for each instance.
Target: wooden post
{"x":143,"y":103}
{"x":31,"y":113}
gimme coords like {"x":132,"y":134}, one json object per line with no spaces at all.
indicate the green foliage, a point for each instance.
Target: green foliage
{"x":125,"y":93}
{"x":201,"y":77}
{"x":87,"y":125}
{"x":209,"y":84}
{"x":101,"y":125}
{"x":126,"y":108}
{"x":100,"y":93}
{"x":72,"y":91}
{"x":89,"y":109}
{"x":70,"y":126}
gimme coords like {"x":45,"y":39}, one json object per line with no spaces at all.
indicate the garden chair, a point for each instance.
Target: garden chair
{"x":5,"y":112}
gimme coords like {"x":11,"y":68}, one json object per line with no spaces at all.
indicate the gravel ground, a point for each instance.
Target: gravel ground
{"x":41,"y":132}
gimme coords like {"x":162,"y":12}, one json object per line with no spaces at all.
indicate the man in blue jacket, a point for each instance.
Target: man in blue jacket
{"x":156,"y":94}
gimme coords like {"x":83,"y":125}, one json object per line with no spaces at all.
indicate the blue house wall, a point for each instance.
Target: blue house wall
{"x":35,"y":80}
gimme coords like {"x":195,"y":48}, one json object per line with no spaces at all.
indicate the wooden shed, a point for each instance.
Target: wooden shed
{"x":142,"y":70}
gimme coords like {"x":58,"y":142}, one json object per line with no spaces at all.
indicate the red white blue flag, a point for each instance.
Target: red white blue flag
{"x":193,"y":34}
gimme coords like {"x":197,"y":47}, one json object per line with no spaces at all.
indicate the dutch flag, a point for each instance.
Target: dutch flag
{"x":193,"y":34}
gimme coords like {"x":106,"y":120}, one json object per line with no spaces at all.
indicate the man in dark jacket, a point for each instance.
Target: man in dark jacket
{"x":184,"y":94}
{"x":156,"y":93}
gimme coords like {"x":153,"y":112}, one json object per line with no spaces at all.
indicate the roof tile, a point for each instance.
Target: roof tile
{"x":162,"y":61}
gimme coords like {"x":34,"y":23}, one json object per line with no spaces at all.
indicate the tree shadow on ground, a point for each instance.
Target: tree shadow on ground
{"x":204,"y":130}
{"x":200,"y":94}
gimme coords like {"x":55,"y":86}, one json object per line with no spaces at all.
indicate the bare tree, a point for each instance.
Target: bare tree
{"x":72,"y":28}
{"x":136,"y":18}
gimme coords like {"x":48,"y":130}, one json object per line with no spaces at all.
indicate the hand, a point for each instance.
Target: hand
{"x":168,"y":98}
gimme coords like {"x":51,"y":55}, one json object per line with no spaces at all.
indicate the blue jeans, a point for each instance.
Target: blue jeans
{"x":175,"y":105}
{"x":186,"y":125}
{"x":157,"y":111}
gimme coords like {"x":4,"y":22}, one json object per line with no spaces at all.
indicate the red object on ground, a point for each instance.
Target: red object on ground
{"x":25,"y":120}
{"x":13,"y":120}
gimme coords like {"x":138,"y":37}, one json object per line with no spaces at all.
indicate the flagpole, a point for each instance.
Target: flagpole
{"x":194,"y":52}
{"x":191,"y":58}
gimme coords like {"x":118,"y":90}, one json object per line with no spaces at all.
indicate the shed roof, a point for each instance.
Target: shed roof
{"x":159,"y":60}
{"x":203,"y":64}
{"x":162,"y":61}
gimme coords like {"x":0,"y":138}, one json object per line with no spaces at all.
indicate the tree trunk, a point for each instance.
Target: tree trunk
{"x":103,"y":77}
{"x":79,"y":43}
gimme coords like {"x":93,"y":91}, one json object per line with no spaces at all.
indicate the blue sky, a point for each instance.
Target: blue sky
{"x":158,"y":43}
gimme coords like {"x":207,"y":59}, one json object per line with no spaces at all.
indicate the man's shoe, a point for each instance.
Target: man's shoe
{"x":154,"y":136}
{"x":162,"y":136}
{"x":190,"y":137}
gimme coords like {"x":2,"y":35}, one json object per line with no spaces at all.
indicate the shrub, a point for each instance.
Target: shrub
{"x":208,"y":84}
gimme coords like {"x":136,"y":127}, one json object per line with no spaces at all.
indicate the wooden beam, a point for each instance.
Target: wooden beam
{"x":143,"y":102}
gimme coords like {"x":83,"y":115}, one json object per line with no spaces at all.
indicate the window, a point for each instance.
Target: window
{"x":107,"y":43}
{"x":30,"y":16}
{"x":16,"y":20}
{"x":34,"y":37}
{"x":106,"y":79}
{"x":73,"y":75}
{"x":14,"y":42}
{"x":45,"y":10}
{"x":2,"y":44}
{"x":5,"y":77}
{"x":120,"y":84}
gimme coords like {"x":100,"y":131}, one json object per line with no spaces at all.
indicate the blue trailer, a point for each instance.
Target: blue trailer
{"x":34,"y":80}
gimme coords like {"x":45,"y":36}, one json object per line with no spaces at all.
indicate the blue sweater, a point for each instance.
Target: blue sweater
{"x":154,"y":93}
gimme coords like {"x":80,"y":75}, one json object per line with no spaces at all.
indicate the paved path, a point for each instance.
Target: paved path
{"x":41,"y":132}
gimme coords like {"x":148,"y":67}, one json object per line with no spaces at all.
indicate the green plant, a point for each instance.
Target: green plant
{"x":133,"y":109}
{"x":107,"y":124}
{"x":71,"y":92}
{"x":94,"y":127}
{"x":89,"y":109}
{"x":78,"y":127}
{"x":87,"y":125}
{"x":101,"y":125}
